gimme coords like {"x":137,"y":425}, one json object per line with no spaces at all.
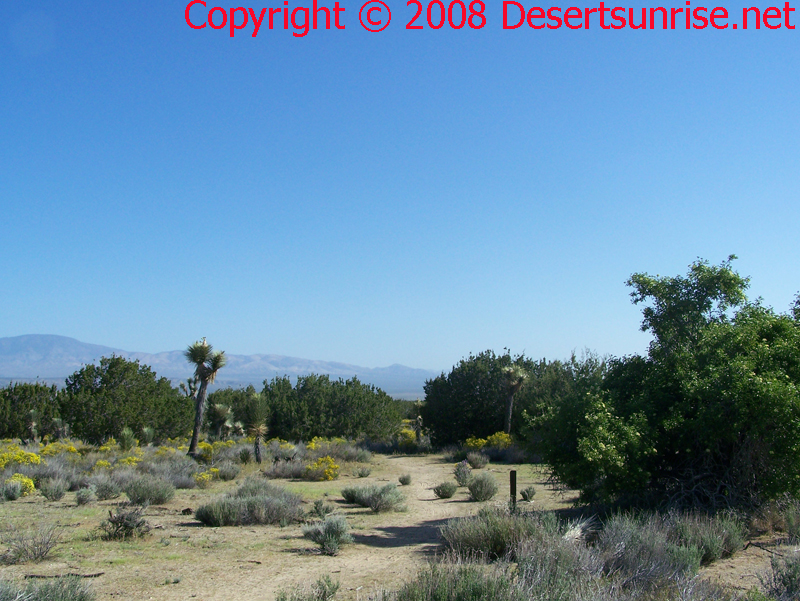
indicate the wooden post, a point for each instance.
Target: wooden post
{"x":513,"y":483}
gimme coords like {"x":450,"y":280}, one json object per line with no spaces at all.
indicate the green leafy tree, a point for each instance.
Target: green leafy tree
{"x":709,"y":417}
{"x":317,"y":406}
{"x":207,"y":363}
{"x":100,"y":400}
{"x":472,"y":400}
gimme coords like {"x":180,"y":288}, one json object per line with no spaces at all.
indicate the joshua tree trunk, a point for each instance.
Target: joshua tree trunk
{"x":199,"y":408}
{"x":509,"y":411}
{"x":257,"y":449}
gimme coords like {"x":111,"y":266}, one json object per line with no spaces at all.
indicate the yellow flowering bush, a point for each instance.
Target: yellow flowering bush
{"x":26,"y":483}
{"x":323,"y":469}
{"x":108,"y":446}
{"x":13,"y":454}
{"x":131,"y":461}
{"x":203,"y":479}
{"x":163,"y":451}
{"x":205,"y":451}
{"x":102,"y":465}
{"x":56,"y":448}
{"x":407,"y":439}
{"x":315,"y":443}
{"x":475,"y":444}
{"x":500,"y":440}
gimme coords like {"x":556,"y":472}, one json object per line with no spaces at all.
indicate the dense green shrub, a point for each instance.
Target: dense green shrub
{"x":317,"y":406}
{"x":528,"y":493}
{"x":329,"y":534}
{"x":704,"y":419}
{"x":445,"y":490}
{"x":98,"y":401}
{"x":482,"y":487}
{"x":149,"y":490}
{"x":405,"y":479}
{"x":28,"y":410}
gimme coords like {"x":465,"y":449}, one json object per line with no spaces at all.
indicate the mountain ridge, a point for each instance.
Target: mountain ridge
{"x":50,"y":358}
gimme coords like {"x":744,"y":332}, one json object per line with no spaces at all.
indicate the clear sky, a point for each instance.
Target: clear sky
{"x":376,"y":198}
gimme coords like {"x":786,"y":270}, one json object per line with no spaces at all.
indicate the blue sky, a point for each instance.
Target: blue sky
{"x":376,"y":198}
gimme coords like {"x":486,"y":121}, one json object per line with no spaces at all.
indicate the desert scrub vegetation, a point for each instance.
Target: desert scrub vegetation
{"x":124,"y":523}
{"x":256,"y":501}
{"x":324,"y":589}
{"x":445,"y":490}
{"x":477,"y":461}
{"x":462,"y":472}
{"x":323,"y":469}
{"x":329,"y":534}
{"x":68,"y":588}
{"x":53,"y":489}
{"x":405,"y":479}
{"x":377,"y":498}
{"x":23,"y":546}
{"x":482,"y":487}
{"x":149,"y":490}
{"x":631,"y":559}
{"x":528,"y":493}
{"x":85,"y":496}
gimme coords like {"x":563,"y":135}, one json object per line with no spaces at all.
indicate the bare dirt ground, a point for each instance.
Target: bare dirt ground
{"x":181,"y":559}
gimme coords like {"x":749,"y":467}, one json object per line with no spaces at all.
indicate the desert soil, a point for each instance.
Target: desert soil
{"x":183,"y":560}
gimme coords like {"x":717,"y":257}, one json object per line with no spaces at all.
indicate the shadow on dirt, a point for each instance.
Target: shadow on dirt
{"x":425,"y":536}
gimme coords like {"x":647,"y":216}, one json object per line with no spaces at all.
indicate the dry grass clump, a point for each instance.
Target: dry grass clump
{"x":323,"y":589}
{"x":69,"y":588}
{"x":23,"y":546}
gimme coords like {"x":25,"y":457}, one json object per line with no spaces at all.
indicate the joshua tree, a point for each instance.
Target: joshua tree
{"x":514,"y":377}
{"x":219,"y":419}
{"x":206,"y":365}
{"x":256,"y":411}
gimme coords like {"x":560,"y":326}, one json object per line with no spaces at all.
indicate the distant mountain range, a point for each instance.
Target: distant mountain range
{"x":52,"y":358}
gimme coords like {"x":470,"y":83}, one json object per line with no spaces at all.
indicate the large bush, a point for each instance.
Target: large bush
{"x":100,"y":400}
{"x":317,"y":406}
{"x":708,"y":417}
{"x":28,"y":410}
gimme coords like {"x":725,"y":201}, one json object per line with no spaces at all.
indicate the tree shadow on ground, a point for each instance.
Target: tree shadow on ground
{"x":425,"y":536}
